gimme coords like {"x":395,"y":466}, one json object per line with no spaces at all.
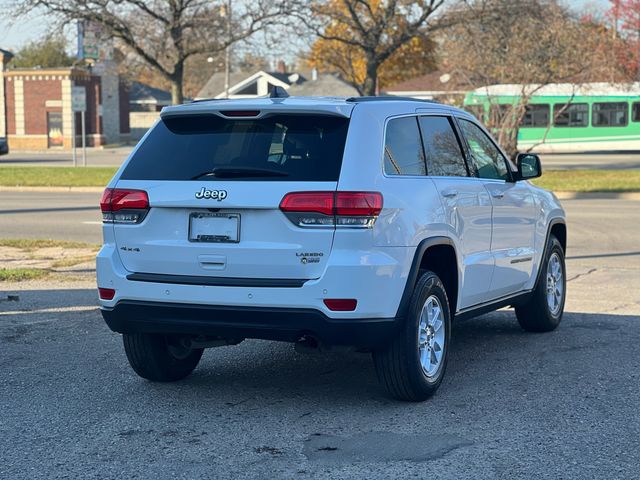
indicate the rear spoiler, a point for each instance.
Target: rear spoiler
{"x":261,"y":108}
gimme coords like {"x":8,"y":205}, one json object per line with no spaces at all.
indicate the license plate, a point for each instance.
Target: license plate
{"x":214,"y":227}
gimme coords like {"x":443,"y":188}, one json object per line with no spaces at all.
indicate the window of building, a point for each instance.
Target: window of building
{"x":536,"y":116}
{"x":403,"y":154}
{"x":441,"y":147}
{"x":610,"y":114}
{"x":571,"y":115}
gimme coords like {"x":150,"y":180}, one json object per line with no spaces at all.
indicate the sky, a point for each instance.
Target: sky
{"x":14,"y":34}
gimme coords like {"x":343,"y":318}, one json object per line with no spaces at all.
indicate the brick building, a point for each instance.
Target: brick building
{"x":36,"y":112}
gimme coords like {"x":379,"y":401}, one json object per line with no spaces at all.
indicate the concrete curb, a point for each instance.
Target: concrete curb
{"x":53,"y":189}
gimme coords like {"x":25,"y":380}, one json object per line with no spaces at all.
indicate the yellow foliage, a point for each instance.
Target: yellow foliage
{"x":416,"y":57}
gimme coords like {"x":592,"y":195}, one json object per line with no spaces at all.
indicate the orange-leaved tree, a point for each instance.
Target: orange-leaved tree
{"x":372,"y":43}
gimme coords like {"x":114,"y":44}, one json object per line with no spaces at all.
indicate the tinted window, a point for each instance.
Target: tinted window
{"x":293,"y":147}
{"x":536,"y":116}
{"x":441,"y":147}
{"x":571,"y":115}
{"x":488,"y":160}
{"x":610,"y":114}
{"x":403,"y":149}
{"x":635,"y":113}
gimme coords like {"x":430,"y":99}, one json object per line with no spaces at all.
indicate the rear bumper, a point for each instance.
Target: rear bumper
{"x":283,"y":324}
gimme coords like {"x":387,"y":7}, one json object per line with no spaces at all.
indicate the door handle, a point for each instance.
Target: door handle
{"x":449,"y":192}
{"x":497,"y":193}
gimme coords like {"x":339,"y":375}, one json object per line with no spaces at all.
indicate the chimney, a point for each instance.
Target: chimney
{"x":282,"y":67}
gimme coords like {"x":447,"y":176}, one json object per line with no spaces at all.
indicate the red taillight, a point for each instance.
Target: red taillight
{"x":133,"y":204}
{"x":346,"y":209}
{"x":341,"y":304}
{"x":318,"y":202}
{"x":106,"y":293}
{"x":358,"y":204}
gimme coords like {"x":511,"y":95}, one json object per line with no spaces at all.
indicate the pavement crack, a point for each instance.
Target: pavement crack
{"x":582,"y":275}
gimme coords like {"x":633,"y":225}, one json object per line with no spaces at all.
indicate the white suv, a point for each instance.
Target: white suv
{"x":366,"y":222}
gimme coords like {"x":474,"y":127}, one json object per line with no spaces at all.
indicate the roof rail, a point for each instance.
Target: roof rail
{"x":388,"y":98}
{"x":199,"y":100}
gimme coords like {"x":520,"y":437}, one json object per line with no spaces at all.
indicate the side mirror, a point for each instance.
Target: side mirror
{"x":528,"y":166}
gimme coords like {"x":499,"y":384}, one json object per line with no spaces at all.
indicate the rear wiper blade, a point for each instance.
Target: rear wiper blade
{"x":239,"y":172}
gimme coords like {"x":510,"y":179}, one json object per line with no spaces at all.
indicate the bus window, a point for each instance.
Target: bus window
{"x":572,"y":115}
{"x":536,"y":116}
{"x":635,"y":112}
{"x":610,"y":114}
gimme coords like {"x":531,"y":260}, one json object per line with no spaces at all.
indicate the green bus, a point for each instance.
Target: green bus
{"x":562,"y":117}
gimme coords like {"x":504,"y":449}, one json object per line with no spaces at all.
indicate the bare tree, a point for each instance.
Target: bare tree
{"x":526,"y":43}
{"x":165,"y":34}
{"x":376,"y":28}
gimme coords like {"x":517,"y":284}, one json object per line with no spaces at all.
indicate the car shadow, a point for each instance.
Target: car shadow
{"x":255,"y":374}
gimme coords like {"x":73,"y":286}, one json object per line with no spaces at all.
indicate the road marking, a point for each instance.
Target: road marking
{"x":50,"y":310}
{"x":92,"y":223}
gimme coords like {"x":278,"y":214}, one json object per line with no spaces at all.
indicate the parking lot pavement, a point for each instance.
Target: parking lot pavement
{"x":513,"y":404}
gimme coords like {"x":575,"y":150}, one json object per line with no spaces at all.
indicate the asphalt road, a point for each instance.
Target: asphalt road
{"x":513,"y":405}
{"x":115,"y":157}
{"x":57,"y":215}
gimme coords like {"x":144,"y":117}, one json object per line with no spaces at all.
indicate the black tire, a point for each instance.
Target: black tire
{"x":398,"y":364}
{"x":159,"y":358}
{"x":537,"y":315}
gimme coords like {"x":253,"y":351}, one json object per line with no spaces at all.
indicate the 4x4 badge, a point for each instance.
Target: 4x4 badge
{"x":212,"y":194}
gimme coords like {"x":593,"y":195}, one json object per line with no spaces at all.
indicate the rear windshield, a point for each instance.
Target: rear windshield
{"x":208,"y":147}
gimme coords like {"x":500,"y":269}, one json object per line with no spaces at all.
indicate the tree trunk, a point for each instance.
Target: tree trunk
{"x":177,"y":80}
{"x":370,"y":86}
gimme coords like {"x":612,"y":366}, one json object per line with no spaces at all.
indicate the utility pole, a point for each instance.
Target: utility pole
{"x":227,"y":50}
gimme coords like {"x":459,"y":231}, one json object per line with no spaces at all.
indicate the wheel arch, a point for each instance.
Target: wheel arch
{"x":437,"y":254}
{"x":558,"y":228}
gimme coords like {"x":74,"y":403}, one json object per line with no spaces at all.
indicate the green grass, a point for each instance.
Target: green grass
{"x":56,"y":176}
{"x":21,"y":274}
{"x":590,"y":180}
{"x":35,"y":243}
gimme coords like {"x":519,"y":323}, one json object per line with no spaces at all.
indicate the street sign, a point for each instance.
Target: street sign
{"x":78,"y":99}
{"x":94,"y":42}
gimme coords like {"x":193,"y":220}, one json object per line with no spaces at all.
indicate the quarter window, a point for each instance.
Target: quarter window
{"x":442,"y":149}
{"x":403,"y":153}
{"x":610,"y":114}
{"x":488,"y":160}
{"x":536,"y":116}
{"x":571,"y":115}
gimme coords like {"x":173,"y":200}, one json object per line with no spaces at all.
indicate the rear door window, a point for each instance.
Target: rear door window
{"x":403,"y":153}
{"x":442,"y":150}
{"x":275,"y":148}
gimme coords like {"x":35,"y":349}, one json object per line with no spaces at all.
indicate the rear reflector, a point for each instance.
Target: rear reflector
{"x":106,"y":293}
{"x":345,"y":209}
{"x":120,"y":205}
{"x":341,"y":304}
